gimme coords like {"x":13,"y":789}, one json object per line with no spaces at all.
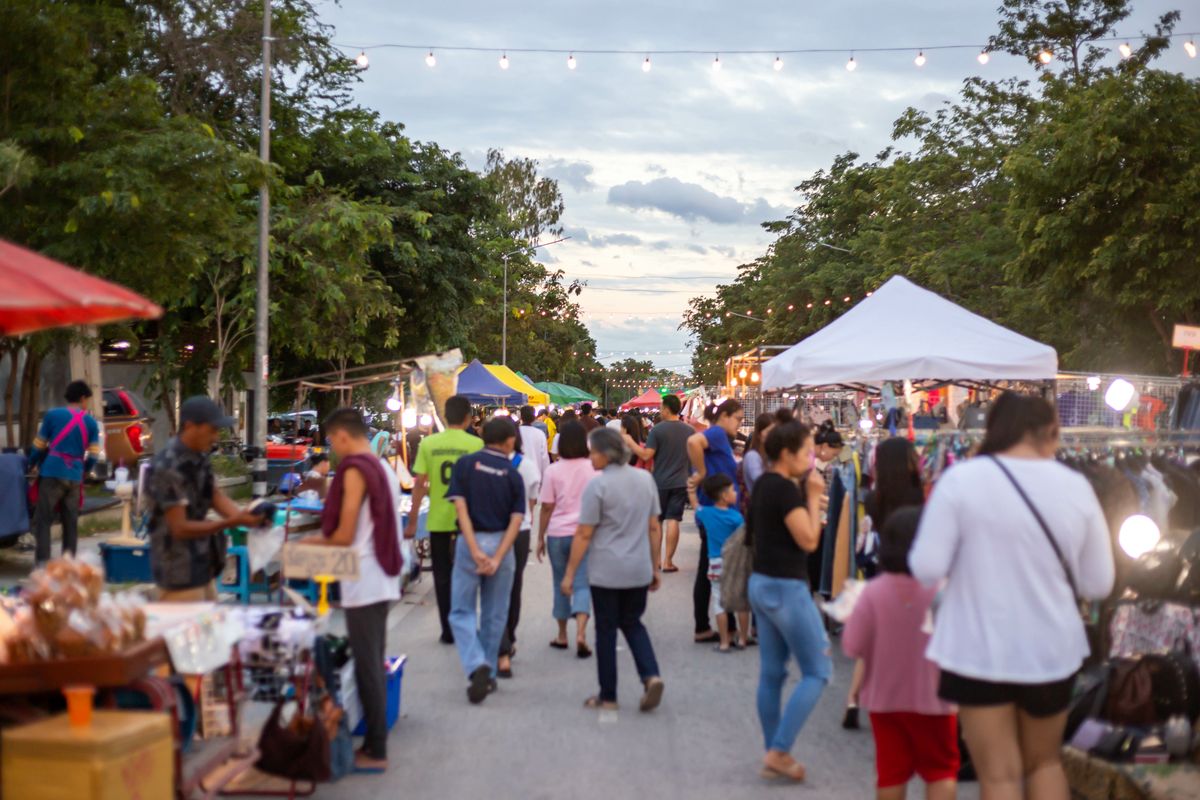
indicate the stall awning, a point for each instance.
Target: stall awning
{"x":514,"y":381}
{"x":480,"y":386}
{"x":905,"y":332}
{"x":564,"y":395}
{"x":647,"y":399}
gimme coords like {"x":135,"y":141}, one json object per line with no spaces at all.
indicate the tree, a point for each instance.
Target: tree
{"x":534,"y":204}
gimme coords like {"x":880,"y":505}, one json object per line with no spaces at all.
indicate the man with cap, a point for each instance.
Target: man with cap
{"x":187,"y":550}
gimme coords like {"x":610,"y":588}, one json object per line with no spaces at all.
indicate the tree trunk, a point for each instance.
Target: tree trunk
{"x":1163,"y":334}
{"x":14,"y":354}
{"x":30,"y":383}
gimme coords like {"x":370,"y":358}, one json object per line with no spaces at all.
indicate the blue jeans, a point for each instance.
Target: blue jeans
{"x":479,"y":647}
{"x":580,"y":601}
{"x":788,"y":624}
{"x":621,"y":609}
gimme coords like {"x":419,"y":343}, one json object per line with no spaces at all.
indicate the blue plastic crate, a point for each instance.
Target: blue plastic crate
{"x":395,"y":677}
{"x":124,"y":563}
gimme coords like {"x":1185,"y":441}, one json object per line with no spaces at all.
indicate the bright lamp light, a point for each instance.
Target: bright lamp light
{"x":431,"y":60}
{"x":426,"y":420}
{"x":983,"y":57}
{"x":409,"y":418}
{"x":866,"y":424}
{"x":393,"y":403}
{"x":361,"y":60}
{"x":1139,"y":535}
{"x":1094,"y":383}
{"x":1119,"y":394}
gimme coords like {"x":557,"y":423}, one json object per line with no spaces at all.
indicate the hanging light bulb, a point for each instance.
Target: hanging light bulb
{"x":717,"y":64}
{"x":754,"y":377}
{"x":983,"y":57}
{"x":571,"y":61}
{"x":393,"y":402}
{"x":1139,"y":535}
{"x":778,"y":63}
{"x":426,"y":420}
{"x":920,"y":59}
{"x":1126,"y":50}
{"x":431,"y":60}
{"x":851,"y":65}
{"x":742,"y":373}
{"x":1119,"y":394}
{"x":409,"y":418}
{"x":1190,"y":47}
{"x":504,"y":61}
{"x":1045,"y":56}
{"x":361,"y":61}
{"x":646,"y":64}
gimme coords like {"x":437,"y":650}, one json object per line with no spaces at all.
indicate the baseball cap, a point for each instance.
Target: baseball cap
{"x":201,"y":410}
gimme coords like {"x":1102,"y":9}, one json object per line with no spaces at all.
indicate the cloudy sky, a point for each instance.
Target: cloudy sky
{"x":668,"y":174}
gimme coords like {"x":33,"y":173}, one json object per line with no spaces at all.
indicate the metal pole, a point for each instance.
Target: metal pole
{"x":504,"y":323}
{"x":262,"y":306}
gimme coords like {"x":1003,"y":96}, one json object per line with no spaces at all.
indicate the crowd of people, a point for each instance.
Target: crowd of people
{"x":968,"y":630}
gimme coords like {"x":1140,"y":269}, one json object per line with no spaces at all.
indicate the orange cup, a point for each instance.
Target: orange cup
{"x":79,"y":705}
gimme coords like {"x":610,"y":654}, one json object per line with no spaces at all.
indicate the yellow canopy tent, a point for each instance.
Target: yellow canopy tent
{"x":514,"y":381}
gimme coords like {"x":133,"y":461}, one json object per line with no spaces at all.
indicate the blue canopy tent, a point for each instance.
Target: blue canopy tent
{"x":481,"y":387}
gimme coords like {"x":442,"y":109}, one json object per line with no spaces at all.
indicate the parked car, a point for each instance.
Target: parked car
{"x":127,"y":436}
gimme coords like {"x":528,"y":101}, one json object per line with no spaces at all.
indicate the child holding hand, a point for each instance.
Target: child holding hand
{"x":915,"y":732}
{"x":720,"y":521}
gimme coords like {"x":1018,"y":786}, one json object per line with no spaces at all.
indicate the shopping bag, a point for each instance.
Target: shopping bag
{"x":737,"y":562}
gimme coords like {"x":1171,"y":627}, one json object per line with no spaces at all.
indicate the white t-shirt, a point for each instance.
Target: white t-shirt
{"x":1007,"y":613}
{"x":373,"y":584}
{"x":533,"y":485}
{"x":533,"y":446}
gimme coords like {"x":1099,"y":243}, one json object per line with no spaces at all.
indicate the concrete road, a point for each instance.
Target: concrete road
{"x":534,"y":740}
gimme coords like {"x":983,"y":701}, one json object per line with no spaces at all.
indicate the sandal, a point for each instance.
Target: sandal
{"x":582,"y":650}
{"x":557,"y":645}
{"x":796,"y":773}
{"x":705,"y":638}
{"x":670,"y":569}
{"x":653,"y":696}
{"x":595,"y":703}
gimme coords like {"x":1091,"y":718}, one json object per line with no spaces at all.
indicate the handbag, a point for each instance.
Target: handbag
{"x":737,"y":562}
{"x":1092,"y":630}
{"x":298,"y":750}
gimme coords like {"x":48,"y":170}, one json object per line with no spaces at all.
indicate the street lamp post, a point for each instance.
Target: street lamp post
{"x":262,"y":305}
{"x":504,"y":322}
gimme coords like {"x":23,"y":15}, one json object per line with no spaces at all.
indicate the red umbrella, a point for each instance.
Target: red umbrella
{"x":37,"y":292}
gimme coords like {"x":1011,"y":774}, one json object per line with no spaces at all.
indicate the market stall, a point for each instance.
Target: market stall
{"x":649,"y":399}
{"x":481,"y":387}
{"x":512,"y":380}
{"x":562,"y":394}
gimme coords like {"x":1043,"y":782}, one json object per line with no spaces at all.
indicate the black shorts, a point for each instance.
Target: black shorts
{"x":1035,"y":699}
{"x":672,"y":502}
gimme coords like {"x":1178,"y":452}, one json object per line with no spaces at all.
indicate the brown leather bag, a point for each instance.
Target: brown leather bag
{"x":1131,"y":693}
{"x":298,"y":750}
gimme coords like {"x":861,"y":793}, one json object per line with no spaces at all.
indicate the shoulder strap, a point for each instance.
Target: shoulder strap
{"x":1042,"y":522}
{"x":76,"y":422}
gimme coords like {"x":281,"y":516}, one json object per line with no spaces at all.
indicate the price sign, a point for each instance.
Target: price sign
{"x":1187,"y":337}
{"x":311,"y":560}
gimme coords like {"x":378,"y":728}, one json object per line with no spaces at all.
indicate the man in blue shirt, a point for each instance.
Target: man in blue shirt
{"x":65,"y":449}
{"x":489,"y":498}
{"x":711,"y":452}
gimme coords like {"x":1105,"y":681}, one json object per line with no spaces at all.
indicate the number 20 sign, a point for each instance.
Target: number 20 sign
{"x":309,"y":561}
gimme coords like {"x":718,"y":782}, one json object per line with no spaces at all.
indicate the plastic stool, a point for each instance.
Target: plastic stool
{"x":243,"y":588}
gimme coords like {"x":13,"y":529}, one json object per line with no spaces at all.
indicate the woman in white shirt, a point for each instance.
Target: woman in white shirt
{"x":532,"y":478}
{"x":1008,"y":635}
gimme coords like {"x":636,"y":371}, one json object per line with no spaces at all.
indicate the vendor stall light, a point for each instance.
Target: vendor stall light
{"x":409,"y":418}
{"x":778,"y":63}
{"x":1190,"y":47}
{"x":1119,"y":395}
{"x":1094,"y":382}
{"x":920,"y":59}
{"x":426,"y":420}
{"x":120,"y":345}
{"x":504,"y":61}
{"x":742,"y":373}
{"x":501,"y":412}
{"x":1126,"y":50}
{"x":754,"y":377}
{"x":1139,"y":535}
{"x":732,"y":382}
{"x":866,"y":424}
{"x":361,"y":61}
{"x":393,"y":402}
{"x":431,"y":60}
{"x":571,"y":63}
{"x":851,"y":65}
{"x":1045,"y":56}
{"x":983,"y":57}
{"x":189,"y":347}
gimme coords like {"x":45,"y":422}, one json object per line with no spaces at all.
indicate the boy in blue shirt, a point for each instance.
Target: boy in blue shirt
{"x":721,"y":520}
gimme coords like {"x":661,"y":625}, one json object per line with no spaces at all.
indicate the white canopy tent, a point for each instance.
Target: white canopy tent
{"x":905,"y":332}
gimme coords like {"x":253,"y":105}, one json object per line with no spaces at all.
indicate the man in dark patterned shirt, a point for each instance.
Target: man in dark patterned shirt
{"x":187,"y":550}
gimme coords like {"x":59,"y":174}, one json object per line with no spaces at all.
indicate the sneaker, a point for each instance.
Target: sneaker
{"x":481,"y":684}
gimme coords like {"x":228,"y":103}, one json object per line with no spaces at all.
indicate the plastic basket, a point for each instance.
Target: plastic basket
{"x":124,"y":563}
{"x":395,"y":680}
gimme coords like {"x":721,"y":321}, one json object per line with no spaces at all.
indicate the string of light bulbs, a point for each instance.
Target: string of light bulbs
{"x":983,"y":54}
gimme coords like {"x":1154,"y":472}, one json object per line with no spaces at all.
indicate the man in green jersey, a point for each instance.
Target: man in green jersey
{"x":435,"y":461}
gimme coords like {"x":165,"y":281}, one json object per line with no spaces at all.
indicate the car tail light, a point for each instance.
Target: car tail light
{"x":134,"y":432}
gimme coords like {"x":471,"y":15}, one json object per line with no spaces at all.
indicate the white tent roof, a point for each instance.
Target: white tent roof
{"x":905,"y":332}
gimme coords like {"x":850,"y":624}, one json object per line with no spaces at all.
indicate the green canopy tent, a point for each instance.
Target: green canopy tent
{"x":562,"y":395}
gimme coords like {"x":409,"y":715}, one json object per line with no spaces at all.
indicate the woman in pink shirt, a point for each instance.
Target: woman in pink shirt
{"x":562,"y":491}
{"x":915,"y":732}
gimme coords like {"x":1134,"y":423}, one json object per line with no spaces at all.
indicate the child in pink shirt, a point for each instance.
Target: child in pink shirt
{"x":915,"y":732}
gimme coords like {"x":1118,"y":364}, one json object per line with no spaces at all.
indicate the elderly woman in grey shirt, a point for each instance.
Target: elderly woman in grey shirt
{"x":618,"y":524}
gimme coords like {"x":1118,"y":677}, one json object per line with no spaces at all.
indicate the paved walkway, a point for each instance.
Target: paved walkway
{"x":534,"y":740}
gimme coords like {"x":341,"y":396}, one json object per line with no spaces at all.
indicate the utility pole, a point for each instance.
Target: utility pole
{"x":504,"y":323}
{"x":262,"y":304}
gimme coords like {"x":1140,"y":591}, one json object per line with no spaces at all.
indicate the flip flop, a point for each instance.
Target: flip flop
{"x":796,"y":774}
{"x":724,"y":650}
{"x":670,"y":569}
{"x":711,"y":636}
{"x":369,"y":770}
{"x":582,"y":650}
{"x":596,"y":704}
{"x":557,"y":645}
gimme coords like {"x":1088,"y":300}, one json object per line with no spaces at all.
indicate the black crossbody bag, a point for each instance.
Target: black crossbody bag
{"x":1091,"y":629}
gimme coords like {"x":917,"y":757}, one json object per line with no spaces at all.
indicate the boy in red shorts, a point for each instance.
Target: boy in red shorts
{"x":915,"y":732}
